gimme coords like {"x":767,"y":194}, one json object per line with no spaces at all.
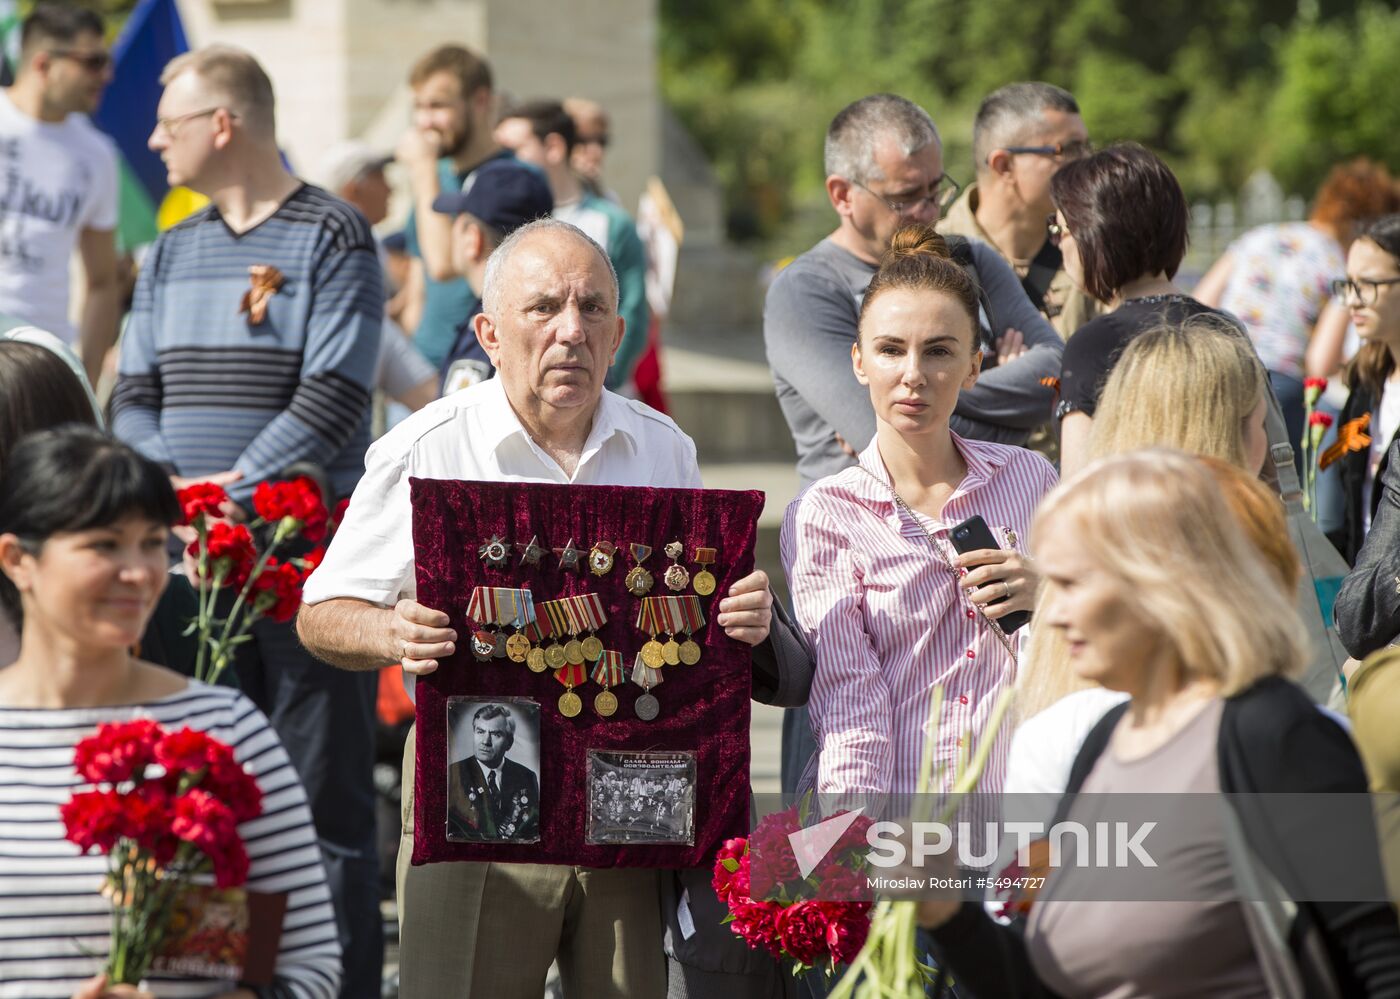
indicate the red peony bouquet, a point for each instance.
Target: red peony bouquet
{"x":166,"y":811}
{"x":817,"y":920}
{"x":226,"y":557}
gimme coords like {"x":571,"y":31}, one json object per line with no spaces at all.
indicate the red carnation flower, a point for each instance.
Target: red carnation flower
{"x":1315,"y":383}
{"x":1323,"y":420}
{"x":231,"y":550}
{"x":209,"y":825}
{"x":185,"y":750}
{"x":338,"y":517}
{"x":300,"y":500}
{"x":145,"y":818}
{"x":802,"y":931}
{"x":201,"y":498}
{"x":277,"y":590}
{"x":231,"y":784}
{"x":312,"y":560}
{"x":93,"y":820}
{"x":117,"y":752}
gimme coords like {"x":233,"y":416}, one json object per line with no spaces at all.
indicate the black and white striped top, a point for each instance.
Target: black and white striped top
{"x":54,"y":925}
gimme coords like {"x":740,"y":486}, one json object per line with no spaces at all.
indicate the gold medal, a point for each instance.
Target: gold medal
{"x":671,"y":653}
{"x":570,"y":704}
{"x":517,"y":648}
{"x":704,"y":581}
{"x":690,"y":652}
{"x":605,"y":703}
{"x":592,"y":648}
{"x":554,"y":656}
{"x":536,"y":661}
{"x":639,"y":582}
{"x":652,"y":655}
{"x":573,"y":652}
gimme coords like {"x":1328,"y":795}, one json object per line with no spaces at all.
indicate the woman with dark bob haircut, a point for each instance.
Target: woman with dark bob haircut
{"x":1120,"y":221}
{"x":83,"y":525}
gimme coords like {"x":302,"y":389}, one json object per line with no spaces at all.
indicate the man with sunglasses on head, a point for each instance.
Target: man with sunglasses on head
{"x":1023,"y":134}
{"x":60,"y":186}
{"x":884,"y":166}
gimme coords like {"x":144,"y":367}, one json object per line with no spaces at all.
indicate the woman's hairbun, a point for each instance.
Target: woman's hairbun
{"x":917,"y":240}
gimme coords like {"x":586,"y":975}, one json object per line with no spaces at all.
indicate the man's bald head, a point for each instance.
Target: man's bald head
{"x":493,"y":285}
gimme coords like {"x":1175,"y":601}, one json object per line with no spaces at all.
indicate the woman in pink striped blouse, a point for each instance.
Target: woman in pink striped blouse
{"x":889,"y":606}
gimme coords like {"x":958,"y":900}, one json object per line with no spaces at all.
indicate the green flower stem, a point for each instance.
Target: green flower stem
{"x":221,"y":649}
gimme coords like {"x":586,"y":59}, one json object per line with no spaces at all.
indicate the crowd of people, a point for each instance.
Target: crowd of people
{"x":1022,"y":350}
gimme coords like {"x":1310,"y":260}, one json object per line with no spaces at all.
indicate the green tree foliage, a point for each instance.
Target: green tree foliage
{"x":1221,"y":89}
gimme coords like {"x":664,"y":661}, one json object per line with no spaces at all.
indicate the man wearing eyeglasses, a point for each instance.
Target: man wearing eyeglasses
{"x":251,"y":348}
{"x":59,"y":190}
{"x":1023,"y":134}
{"x":884,"y":165}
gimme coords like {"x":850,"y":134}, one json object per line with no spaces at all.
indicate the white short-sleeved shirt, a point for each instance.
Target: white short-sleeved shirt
{"x":58,"y":179}
{"x":474,"y":434}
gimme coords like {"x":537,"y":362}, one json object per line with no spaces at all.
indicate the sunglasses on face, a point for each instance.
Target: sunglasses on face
{"x":93,"y":62}
{"x":601,"y":141}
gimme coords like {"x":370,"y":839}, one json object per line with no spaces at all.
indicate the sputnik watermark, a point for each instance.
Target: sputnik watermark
{"x":1103,"y":845}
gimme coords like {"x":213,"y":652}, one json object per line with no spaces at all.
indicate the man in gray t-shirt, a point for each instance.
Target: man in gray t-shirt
{"x":884,"y":169}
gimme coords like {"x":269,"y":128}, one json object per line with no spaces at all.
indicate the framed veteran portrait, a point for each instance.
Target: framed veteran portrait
{"x":493,"y":770}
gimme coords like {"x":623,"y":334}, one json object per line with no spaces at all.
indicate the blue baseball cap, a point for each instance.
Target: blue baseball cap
{"x":503,"y":193}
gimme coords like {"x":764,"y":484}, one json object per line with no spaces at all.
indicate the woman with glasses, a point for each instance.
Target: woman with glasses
{"x":1371,"y":294}
{"x":1277,"y":278}
{"x":1120,"y":222}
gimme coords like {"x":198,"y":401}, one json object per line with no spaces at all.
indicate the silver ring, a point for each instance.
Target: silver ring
{"x":1007,"y":588}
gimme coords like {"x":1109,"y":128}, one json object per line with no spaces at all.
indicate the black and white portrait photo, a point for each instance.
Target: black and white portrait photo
{"x":641,"y":797}
{"x":493,"y":782}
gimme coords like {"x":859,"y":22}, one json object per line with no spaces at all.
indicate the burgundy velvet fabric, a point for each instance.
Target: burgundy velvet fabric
{"x":704,"y":708}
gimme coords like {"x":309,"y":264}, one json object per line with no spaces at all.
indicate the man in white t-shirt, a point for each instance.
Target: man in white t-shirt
{"x":58,"y":182}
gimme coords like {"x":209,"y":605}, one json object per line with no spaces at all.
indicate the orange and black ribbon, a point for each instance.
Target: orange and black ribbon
{"x":1351,"y":436}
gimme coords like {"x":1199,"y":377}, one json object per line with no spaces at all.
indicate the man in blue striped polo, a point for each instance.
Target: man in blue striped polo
{"x":250,"y":348}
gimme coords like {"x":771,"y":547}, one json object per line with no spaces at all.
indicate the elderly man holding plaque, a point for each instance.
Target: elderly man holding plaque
{"x":550,"y":326}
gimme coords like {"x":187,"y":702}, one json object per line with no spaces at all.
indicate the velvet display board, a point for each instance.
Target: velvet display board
{"x":704,"y":708}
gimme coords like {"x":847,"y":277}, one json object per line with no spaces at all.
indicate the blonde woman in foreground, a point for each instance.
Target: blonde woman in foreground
{"x":1214,"y":369}
{"x":1159,"y":594}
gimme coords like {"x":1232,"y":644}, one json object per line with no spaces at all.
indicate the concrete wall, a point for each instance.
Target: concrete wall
{"x":339,"y":66}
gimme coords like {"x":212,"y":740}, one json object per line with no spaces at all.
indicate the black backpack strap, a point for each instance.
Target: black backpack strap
{"x":1044,"y":267}
{"x":1089,"y":752}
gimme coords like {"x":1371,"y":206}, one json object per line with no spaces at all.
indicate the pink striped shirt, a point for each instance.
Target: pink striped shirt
{"x":887,"y":619}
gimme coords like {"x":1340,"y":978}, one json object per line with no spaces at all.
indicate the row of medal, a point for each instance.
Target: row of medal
{"x":571,"y":624}
{"x":496,"y":553}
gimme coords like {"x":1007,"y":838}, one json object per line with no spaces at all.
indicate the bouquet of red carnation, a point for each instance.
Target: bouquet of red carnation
{"x":788,"y":918}
{"x":225,"y":556}
{"x":166,"y":811}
